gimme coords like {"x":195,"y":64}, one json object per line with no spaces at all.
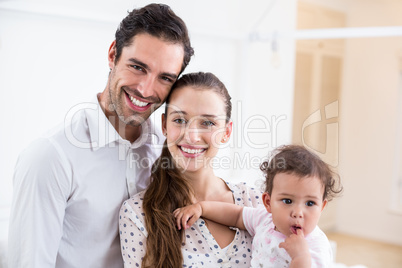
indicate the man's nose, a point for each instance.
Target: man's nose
{"x":147,"y":86}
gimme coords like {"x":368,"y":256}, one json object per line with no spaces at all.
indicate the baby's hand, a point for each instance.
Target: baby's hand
{"x":297,"y":248}
{"x":187,"y":216}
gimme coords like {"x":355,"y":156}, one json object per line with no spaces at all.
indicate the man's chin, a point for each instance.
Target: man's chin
{"x":134,"y":121}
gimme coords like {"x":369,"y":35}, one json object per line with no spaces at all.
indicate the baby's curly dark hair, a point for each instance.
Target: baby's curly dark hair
{"x":295,"y":159}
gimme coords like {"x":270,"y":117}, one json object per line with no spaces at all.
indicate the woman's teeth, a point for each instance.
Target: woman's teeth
{"x":137,"y":102}
{"x":191,"y":151}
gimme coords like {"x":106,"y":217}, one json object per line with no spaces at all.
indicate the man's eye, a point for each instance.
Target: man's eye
{"x":310,"y":203}
{"x":167,"y":79}
{"x":139,"y":68}
{"x":287,"y":201}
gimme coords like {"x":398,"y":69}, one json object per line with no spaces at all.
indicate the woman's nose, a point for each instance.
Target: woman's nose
{"x":192,"y":134}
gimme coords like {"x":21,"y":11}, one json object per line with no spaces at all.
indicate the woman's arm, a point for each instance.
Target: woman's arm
{"x":220,"y":212}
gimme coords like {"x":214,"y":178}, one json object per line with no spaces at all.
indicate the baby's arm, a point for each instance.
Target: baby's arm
{"x":297,"y":248}
{"x":220,"y":212}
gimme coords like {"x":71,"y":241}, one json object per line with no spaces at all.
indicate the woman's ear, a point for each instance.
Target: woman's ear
{"x":266,"y":199}
{"x":228,"y":131}
{"x":111,"y":56}
{"x":164,"y":131}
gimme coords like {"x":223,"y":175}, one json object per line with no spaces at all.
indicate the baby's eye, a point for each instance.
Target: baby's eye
{"x":287,"y":201}
{"x":180,"y":121}
{"x":310,"y":203}
{"x":208,"y":123}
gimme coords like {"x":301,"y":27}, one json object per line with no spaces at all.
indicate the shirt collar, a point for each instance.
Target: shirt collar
{"x":102,"y":133}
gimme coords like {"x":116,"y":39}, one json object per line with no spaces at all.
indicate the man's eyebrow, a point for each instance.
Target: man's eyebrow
{"x":145,"y":66}
{"x":170,"y":75}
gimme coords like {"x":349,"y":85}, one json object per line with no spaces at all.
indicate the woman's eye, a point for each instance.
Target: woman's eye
{"x":180,"y":121}
{"x":287,"y":201}
{"x":208,"y":123}
{"x":310,"y":203}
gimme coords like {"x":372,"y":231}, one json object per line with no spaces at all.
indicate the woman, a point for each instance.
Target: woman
{"x":196,"y":122}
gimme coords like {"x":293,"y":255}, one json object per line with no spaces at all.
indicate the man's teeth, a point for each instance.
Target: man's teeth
{"x":191,"y":151}
{"x":137,"y":102}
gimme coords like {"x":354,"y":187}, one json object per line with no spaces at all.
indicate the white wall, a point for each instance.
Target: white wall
{"x":368,"y":125}
{"x":54,"y":55}
{"x":368,"y":117}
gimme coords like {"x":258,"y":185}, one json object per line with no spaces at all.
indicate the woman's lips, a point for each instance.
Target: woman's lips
{"x":191,"y":152}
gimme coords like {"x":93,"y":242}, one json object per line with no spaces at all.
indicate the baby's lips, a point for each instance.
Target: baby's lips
{"x":294,"y":228}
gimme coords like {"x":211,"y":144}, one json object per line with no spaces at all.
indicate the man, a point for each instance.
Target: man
{"x":69,"y":185}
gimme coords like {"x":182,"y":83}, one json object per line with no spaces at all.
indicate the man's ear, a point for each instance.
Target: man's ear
{"x":111,"y":56}
{"x":164,"y":131}
{"x":266,"y":199}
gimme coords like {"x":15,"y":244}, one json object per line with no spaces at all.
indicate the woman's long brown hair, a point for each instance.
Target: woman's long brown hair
{"x":169,"y":189}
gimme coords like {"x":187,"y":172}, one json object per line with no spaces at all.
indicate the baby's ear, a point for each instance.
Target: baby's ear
{"x":266,"y":199}
{"x":324,"y":204}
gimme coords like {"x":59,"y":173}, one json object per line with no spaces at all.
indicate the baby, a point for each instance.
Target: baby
{"x":297,"y":188}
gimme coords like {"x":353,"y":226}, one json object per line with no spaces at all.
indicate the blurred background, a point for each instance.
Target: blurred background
{"x":323,"y":73}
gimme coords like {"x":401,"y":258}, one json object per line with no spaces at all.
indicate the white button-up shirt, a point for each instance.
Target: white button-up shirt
{"x":69,"y":187}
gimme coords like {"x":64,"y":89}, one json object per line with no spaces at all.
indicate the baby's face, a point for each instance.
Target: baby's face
{"x":295,"y":203}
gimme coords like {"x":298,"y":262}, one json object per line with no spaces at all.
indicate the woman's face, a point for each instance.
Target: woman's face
{"x":195,"y":126}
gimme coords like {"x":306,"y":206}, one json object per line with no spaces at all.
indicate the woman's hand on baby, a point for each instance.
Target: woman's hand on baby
{"x":187,"y":216}
{"x":297,"y":248}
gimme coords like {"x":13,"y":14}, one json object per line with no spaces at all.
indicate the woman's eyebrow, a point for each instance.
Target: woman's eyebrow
{"x":177,"y":112}
{"x":201,"y":115}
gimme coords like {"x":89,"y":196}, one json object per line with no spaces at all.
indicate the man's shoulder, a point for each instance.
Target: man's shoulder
{"x":56,"y":140}
{"x":41,"y":149}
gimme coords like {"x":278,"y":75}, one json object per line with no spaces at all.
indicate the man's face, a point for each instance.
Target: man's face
{"x":141,"y":79}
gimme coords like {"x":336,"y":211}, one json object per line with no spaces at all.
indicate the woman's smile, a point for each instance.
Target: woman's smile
{"x":194,"y":133}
